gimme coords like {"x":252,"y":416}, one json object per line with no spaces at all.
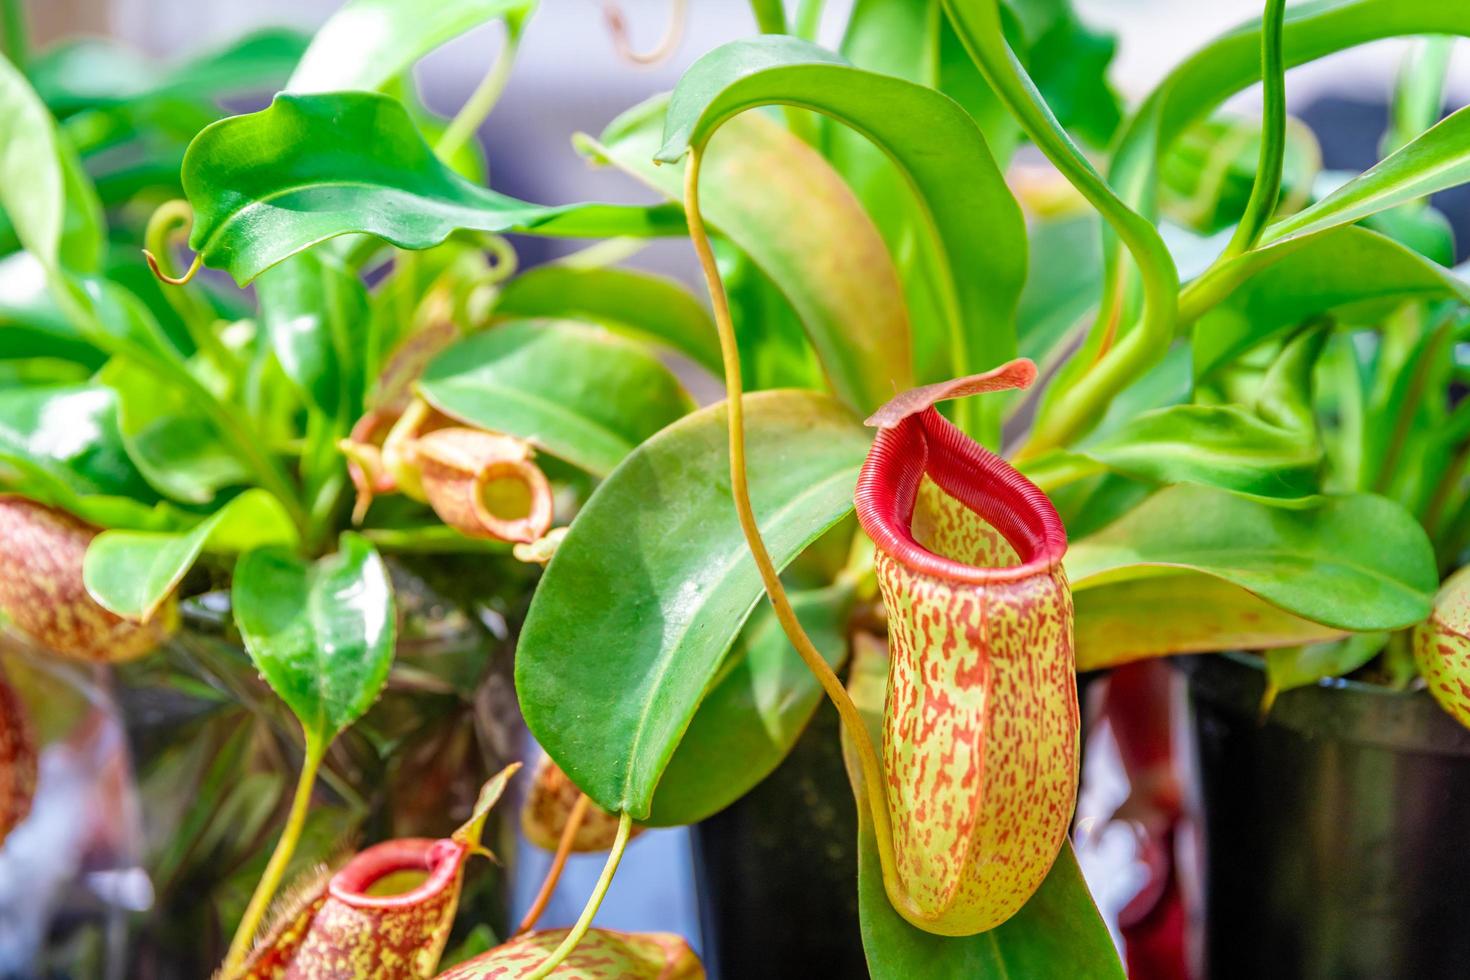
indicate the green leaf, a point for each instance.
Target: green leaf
{"x":68,"y":436}
{"x":831,"y":265}
{"x":311,"y":167}
{"x":651,"y":585}
{"x":1233,"y":62}
{"x":1356,"y":562}
{"x":321,"y":633}
{"x":1059,"y":932}
{"x":31,"y":324}
{"x":578,"y":392}
{"x":644,"y":306}
{"x":32,"y":182}
{"x":178,"y":450}
{"x":1437,"y":160}
{"x":1180,"y":612}
{"x":368,"y":43}
{"x":755,"y":711}
{"x":970,"y":218}
{"x":95,"y":72}
{"x":1069,"y":62}
{"x":133,"y":572}
{"x":1357,"y":274}
{"x":1218,"y":446}
{"x":1061,"y":289}
{"x":1302,"y":666}
{"x":315,"y":311}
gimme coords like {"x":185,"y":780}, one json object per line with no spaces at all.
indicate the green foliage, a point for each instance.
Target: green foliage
{"x":651,"y":585}
{"x":578,"y":392}
{"x":1271,"y":457}
{"x":321,"y":633}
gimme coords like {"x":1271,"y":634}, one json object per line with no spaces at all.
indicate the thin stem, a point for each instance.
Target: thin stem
{"x":780,"y":603}
{"x":1266,"y":192}
{"x":275,"y":869}
{"x":17,"y":38}
{"x":809,"y":19}
{"x":979,"y":27}
{"x":558,"y":863}
{"x":167,"y":221}
{"x":584,"y":922}
{"x":481,"y":100}
{"x":770,"y":16}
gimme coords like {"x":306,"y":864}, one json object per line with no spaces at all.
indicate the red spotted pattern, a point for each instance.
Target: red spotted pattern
{"x":345,"y":932}
{"x":548,"y":806}
{"x":1442,"y":647}
{"x":601,"y":955}
{"x":17,"y":759}
{"x":980,"y":723}
{"x":41,"y":590}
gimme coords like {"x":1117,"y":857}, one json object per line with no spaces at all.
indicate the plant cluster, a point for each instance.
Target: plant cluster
{"x":1247,"y":423}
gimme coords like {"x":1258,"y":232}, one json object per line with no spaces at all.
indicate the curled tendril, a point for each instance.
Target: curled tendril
{"x":618,"y":27}
{"x":169,"y":220}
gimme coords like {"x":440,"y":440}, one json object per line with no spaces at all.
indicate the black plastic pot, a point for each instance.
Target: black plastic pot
{"x":1332,"y":835}
{"x":777,"y":871}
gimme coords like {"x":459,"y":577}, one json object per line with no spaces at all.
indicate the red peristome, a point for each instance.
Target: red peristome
{"x":927,"y":444}
{"x":344,"y":932}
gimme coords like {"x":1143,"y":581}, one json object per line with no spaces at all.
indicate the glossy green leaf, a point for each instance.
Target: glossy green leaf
{"x":95,"y":72}
{"x":754,"y":712}
{"x":367,"y":43}
{"x":1058,"y":933}
{"x":1355,"y":562}
{"x":176,"y":448}
{"x":1221,"y":446}
{"x":580,"y":393}
{"x":133,"y":572}
{"x":315,"y":310}
{"x":321,"y":633}
{"x":1356,"y":274}
{"x":31,"y":324}
{"x":970,"y":217}
{"x":1180,"y":612}
{"x":32,"y":182}
{"x":650,"y":587}
{"x":68,"y":435}
{"x":832,"y":265}
{"x":1434,"y":161}
{"x":271,"y":183}
{"x":645,"y":306}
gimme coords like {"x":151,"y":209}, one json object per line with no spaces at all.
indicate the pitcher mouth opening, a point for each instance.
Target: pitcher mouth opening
{"x":361,"y":882}
{"x":927,"y":444}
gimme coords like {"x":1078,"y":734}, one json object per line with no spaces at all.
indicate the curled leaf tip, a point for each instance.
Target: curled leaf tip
{"x":162,"y":276}
{"x":1019,"y":373}
{"x":617,"y":26}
